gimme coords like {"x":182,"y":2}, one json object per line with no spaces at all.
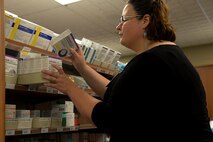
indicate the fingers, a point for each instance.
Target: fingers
{"x":50,"y":73}
{"x":49,"y":76}
{"x":73,"y":52}
{"x":52,"y":76}
{"x":76,"y":52}
{"x":59,"y":69}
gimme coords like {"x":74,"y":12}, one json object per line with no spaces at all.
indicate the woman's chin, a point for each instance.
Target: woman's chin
{"x":121,"y":41}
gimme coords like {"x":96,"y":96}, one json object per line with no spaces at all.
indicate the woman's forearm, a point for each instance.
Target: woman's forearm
{"x":95,"y":80}
{"x":82,"y":101}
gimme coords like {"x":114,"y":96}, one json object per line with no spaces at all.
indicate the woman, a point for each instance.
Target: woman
{"x":159,"y":92}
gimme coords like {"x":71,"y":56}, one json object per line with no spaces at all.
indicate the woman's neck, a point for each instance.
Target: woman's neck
{"x":151,"y":44}
{"x":157,"y":43}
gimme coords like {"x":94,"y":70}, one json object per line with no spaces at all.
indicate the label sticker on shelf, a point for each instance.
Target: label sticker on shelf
{"x":106,"y":72}
{"x":98,"y":69}
{"x":72,"y":128}
{"x":77,"y":127}
{"x":44,"y":130}
{"x":59,"y":129}
{"x":26,"y":131}
{"x":26,"y":49}
{"x":10,"y":132}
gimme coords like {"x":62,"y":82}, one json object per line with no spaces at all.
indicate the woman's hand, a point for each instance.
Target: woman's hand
{"x":78,"y":59}
{"x":58,"y":80}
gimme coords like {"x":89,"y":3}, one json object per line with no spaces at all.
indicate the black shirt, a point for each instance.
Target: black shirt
{"x":157,"y":97}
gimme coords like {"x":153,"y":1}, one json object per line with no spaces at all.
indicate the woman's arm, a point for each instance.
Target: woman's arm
{"x":60,"y":81}
{"x":95,"y":80}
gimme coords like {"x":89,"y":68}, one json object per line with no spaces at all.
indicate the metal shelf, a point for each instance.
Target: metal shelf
{"x":32,"y":131}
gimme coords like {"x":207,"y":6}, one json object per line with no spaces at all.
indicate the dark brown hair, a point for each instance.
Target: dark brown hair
{"x":159,"y":27}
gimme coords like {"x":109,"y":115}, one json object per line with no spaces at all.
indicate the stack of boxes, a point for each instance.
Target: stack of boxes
{"x":10,"y":19}
{"x":29,"y":69}
{"x":98,"y":54}
{"x":10,"y":116}
{"x":28,"y":72}
{"x":24,"y":31}
{"x":30,"y":33}
{"x":23,"y":119}
{"x":11,"y":65}
{"x":61,"y":115}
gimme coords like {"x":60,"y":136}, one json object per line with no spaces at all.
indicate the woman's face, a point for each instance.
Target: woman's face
{"x":130,"y":30}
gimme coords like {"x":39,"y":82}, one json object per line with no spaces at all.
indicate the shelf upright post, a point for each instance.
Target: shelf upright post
{"x":2,"y":73}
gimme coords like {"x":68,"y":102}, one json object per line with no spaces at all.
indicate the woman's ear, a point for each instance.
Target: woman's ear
{"x":146,"y":20}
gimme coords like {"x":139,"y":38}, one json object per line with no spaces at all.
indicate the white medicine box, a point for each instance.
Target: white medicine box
{"x":21,"y":30}
{"x":29,"y":69}
{"x":11,"y":65}
{"x":41,"y":37}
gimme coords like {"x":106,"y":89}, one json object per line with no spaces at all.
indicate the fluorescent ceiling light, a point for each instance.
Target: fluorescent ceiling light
{"x":65,"y":2}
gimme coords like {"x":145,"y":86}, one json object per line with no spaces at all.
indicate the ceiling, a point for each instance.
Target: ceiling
{"x":96,"y":19}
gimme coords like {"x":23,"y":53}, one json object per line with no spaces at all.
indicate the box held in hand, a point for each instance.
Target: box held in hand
{"x":63,"y":42}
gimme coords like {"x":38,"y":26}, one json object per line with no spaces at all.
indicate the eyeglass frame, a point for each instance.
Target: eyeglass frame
{"x":125,"y":18}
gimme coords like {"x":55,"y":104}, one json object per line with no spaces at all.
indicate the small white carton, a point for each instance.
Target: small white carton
{"x":41,"y":37}
{"x":11,"y":65}
{"x":24,"y":113}
{"x":9,"y":21}
{"x":11,"y":124}
{"x":63,"y":42}
{"x":24,"y":123}
{"x":10,"y":111}
{"x":29,"y":70}
{"x":41,"y":122}
{"x":22,"y":30}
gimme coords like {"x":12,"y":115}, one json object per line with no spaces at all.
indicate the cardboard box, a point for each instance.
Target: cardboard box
{"x":22,"y":30}
{"x":41,"y":37}
{"x":41,"y":122}
{"x":56,"y":123}
{"x":10,"y":111}
{"x":11,"y":124}
{"x":11,"y":65}
{"x":68,"y":119}
{"x":22,"y":113}
{"x":29,"y":70}
{"x":63,"y":42}
{"x":24,"y":123}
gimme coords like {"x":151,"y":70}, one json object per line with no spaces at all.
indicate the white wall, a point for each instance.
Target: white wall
{"x":200,"y":55}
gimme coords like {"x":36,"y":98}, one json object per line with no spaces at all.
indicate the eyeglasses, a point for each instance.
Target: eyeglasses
{"x":125,"y":18}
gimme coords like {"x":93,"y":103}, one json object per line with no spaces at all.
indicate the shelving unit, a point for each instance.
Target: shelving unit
{"x":47,"y":130}
{"x":17,"y":46}
{"x":20,"y":93}
{"x":40,"y":131}
{"x":34,"y":97}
